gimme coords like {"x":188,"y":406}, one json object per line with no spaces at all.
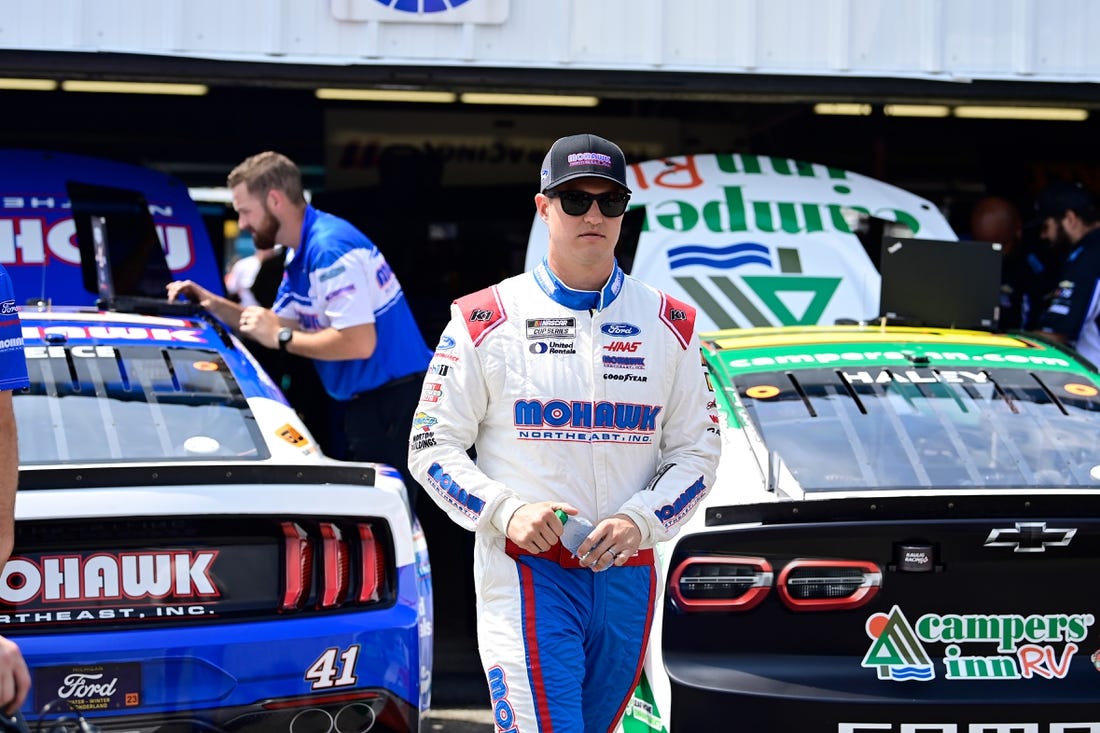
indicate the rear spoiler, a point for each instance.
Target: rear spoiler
{"x":880,"y":508}
{"x":175,"y":474}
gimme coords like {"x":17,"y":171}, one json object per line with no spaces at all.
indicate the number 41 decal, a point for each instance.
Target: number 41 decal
{"x":331,"y":670}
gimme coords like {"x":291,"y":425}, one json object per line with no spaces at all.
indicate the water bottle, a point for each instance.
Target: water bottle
{"x":577,"y":528}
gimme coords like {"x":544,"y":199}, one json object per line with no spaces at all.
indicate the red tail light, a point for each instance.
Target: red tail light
{"x":373,"y":565}
{"x":335,"y":566}
{"x":331,"y":576}
{"x":298,"y":559}
{"x":720,"y":583}
{"x":828,"y":585}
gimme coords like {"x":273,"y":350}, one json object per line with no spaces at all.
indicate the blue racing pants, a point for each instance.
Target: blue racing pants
{"x":562,"y":646}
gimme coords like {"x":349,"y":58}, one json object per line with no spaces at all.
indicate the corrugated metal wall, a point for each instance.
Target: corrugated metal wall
{"x":1021,"y":40}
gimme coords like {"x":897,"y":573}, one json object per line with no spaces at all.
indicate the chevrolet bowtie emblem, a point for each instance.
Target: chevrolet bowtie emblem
{"x":1030,"y":537}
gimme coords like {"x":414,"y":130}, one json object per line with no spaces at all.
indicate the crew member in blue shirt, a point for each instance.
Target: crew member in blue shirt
{"x":1073,"y":315}
{"x":340,"y":305}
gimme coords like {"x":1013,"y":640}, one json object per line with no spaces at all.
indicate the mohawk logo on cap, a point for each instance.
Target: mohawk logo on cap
{"x":589,"y":159}
{"x":580,"y":156}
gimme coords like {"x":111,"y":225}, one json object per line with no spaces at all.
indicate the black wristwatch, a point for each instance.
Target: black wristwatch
{"x":285,"y":335}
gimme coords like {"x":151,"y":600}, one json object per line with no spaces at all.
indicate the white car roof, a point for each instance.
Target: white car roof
{"x":759,"y":241}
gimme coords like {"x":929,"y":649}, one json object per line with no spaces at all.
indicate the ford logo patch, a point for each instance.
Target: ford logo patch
{"x":620,"y":329}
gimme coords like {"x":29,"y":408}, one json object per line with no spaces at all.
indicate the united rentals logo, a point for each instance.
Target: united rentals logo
{"x":552,"y":347}
{"x":1024,"y":647}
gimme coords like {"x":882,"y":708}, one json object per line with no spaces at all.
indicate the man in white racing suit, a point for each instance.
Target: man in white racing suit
{"x":580,"y":389}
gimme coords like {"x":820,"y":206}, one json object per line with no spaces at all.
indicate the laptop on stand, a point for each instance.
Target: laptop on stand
{"x":121,"y":258}
{"x":940,"y":283}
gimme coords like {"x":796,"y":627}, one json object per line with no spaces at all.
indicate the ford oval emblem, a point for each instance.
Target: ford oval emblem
{"x":620,"y":330}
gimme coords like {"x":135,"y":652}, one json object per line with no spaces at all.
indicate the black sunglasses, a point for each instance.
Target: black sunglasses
{"x":577,"y":203}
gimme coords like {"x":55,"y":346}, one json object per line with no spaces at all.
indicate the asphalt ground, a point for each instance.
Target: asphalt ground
{"x":462,"y":720}
{"x":460,"y":697}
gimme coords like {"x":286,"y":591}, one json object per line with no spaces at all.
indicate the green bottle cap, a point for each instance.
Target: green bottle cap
{"x":562,"y":515}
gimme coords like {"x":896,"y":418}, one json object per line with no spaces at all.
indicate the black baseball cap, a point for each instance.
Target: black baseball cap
{"x":582,"y":156}
{"x":1062,"y":196}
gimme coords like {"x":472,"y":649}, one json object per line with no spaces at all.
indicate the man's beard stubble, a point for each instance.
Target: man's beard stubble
{"x":263,"y":237}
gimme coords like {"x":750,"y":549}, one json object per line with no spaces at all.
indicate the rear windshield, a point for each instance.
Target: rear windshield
{"x":931,"y":428}
{"x":132,"y":404}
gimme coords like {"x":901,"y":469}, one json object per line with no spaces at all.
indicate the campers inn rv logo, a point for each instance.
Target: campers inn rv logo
{"x":746,"y":267}
{"x":1012,"y":646}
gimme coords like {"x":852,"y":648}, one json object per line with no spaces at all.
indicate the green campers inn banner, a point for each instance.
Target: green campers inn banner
{"x":759,"y":241}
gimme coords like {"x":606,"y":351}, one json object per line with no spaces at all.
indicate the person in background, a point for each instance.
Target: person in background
{"x":1048,"y":214}
{"x":243,"y":273}
{"x":1049,"y":240}
{"x":1071,"y":317}
{"x":15,"y":679}
{"x":340,"y":305}
{"x":1025,"y":276}
{"x":582,"y":391}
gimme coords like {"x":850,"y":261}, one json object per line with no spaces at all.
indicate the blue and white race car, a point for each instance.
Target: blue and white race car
{"x":186,"y":558}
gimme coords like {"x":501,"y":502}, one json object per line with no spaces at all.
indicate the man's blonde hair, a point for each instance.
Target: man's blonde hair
{"x":268,"y":171}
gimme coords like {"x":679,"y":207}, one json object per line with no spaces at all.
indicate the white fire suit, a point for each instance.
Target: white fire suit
{"x":598,"y":400}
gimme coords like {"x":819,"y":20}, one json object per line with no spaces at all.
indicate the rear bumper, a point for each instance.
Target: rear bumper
{"x":808,"y":695}
{"x":240,"y":677}
{"x":376,"y":711}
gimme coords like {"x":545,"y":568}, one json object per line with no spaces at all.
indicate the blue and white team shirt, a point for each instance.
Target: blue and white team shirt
{"x":1074,"y":309}
{"x":13,"y":367}
{"x":338,"y":278}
